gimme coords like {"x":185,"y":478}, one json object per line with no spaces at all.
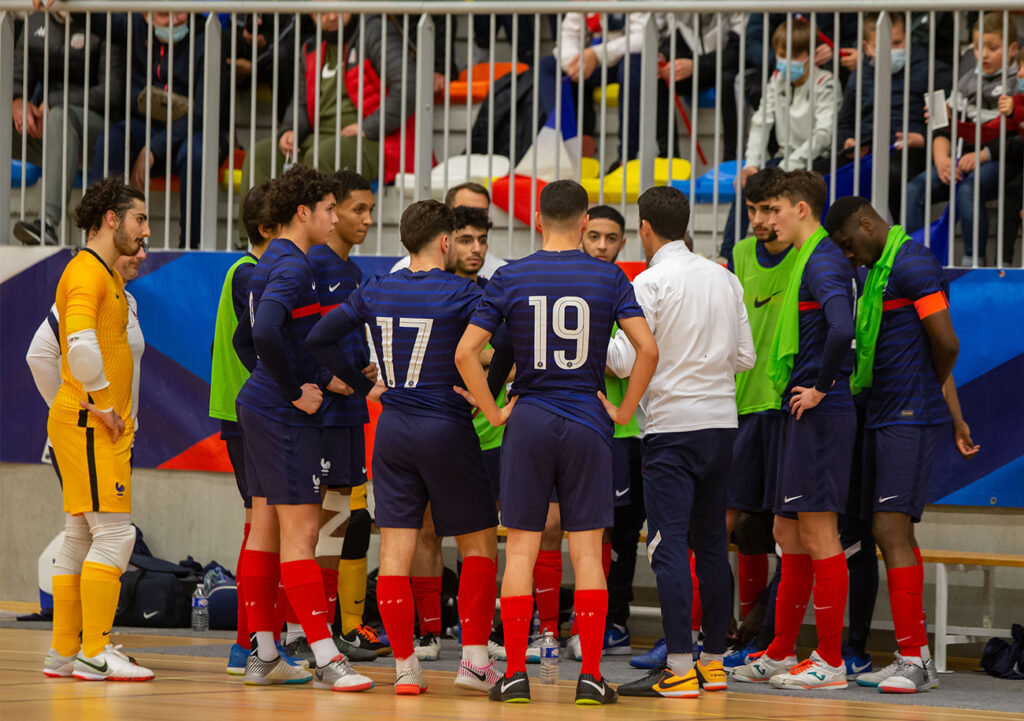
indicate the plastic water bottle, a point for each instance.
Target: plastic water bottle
{"x":200,"y":610}
{"x":549,"y":648}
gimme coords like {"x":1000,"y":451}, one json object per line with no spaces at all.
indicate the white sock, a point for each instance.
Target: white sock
{"x":324,"y":650}
{"x":680,"y":663}
{"x":706,"y":658}
{"x":925,"y":653}
{"x":266,"y":649}
{"x":476,"y":655}
{"x":293,"y":632}
{"x":695,"y":636}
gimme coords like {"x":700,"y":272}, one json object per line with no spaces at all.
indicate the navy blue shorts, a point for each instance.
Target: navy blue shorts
{"x":282,"y":462}
{"x":815,"y":458}
{"x":343,"y":456}
{"x":897,"y":465}
{"x":492,"y":462}
{"x":625,"y":453}
{"x":544,"y":453}
{"x":753,"y":474}
{"x":420,"y":459}
{"x":236,"y":454}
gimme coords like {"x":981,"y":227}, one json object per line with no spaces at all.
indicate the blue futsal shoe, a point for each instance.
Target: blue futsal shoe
{"x":653,"y":659}
{"x":740,"y":657}
{"x":237,"y":659}
{"x":856,"y":665}
{"x":617,"y":641}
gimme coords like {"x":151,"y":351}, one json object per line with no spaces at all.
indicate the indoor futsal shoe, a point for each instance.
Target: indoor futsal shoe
{"x":110,"y":665}
{"x":812,"y":674}
{"x":740,"y":657}
{"x":409,"y":680}
{"x":264,"y":673}
{"x":365,"y":637}
{"x":300,"y":650}
{"x":662,"y":682}
{"x":911,"y":677}
{"x":617,"y":641}
{"x":495,"y":651}
{"x":657,"y":657}
{"x":592,"y":692}
{"x":354,"y":653}
{"x":300,"y":662}
{"x":57,"y":666}
{"x":511,"y":690}
{"x":476,"y":678}
{"x":338,"y":675}
{"x":712,"y":677}
{"x":428,"y":647}
{"x":237,"y":660}
{"x":573,"y":649}
{"x":855,"y":663}
{"x":874,"y":678}
{"x":762,"y":667}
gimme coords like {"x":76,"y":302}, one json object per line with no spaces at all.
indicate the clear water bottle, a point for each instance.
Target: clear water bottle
{"x":549,"y":648}
{"x":200,"y":610}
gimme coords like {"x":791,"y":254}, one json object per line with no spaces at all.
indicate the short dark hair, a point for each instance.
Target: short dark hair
{"x":423,"y":221}
{"x":842,"y":210}
{"x":254,"y":212}
{"x":449,"y":197}
{"x":349,"y":180}
{"x":801,"y":38}
{"x":871,"y":21}
{"x":607,"y":212}
{"x":466,"y":216}
{"x":563,"y":201}
{"x":763,"y":184}
{"x":108,"y":194}
{"x":806,"y":186}
{"x":300,"y":185}
{"x":666,"y":209}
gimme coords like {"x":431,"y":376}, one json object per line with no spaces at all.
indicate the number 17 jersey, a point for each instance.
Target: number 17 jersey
{"x":560,"y":308}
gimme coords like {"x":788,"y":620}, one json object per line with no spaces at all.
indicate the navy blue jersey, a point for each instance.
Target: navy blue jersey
{"x":904,"y":387}
{"x":826,"y":275}
{"x":284,"y":275}
{"x":240,"y":286}
{"x":559,"y":308}
{"x":336,"y":278}
{"x":416,"y":321}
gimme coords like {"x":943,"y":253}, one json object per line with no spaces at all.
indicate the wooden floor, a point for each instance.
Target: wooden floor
{"x":189,"y":688}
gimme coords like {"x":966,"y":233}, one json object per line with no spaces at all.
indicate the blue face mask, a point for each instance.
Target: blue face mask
{"x":1020,"y":86}
{"x":898,"y":58}
{"x":796,"y":68}
{"x":163,"y":33}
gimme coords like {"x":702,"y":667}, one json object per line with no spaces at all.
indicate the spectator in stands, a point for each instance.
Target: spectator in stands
{"x":961,"y":161}
{"x":482,"y":35}
{"x":35,"y":116}
{"x":847,"y":128}
{"x":259,"y":29}
{"x":382,"y":122}
{"x":802,"y":119}
{"x":169,"y":107}
{"x":1012,"y":105}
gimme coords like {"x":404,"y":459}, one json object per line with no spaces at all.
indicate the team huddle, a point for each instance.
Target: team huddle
{"x":741,"y":386}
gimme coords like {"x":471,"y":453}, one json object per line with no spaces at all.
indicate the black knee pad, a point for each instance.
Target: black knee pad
{"x":357,"y":535}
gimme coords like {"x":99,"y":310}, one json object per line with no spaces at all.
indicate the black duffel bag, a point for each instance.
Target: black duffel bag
{"x":155,"y":593}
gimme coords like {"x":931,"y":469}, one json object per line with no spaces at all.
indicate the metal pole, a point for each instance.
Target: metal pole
{"x":928,"y":139}
{"x":317,"y":72}
{"x":186,"y":222}
{"x":648,"y":99}
{"x":424,"y":105}
{"x":881,"y":114}
{"x":211,"y":128}
{"x":231,"y":126}
{"x":6,"y":100}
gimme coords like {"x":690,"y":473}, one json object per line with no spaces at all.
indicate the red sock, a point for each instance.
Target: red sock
{"x":261,"y":573}
{"x":477,"y":590}
{"x":242,"y":634}
{"x":791,"y":603}
{"x":398,"y":612}
{"x":752,"y":573}
{"x":922,"y":631}
{"x":330,"y":581}
{"x":917,"y":555}
{"x":591,"y":610}
{"x":831,"y":587}
{"x":426,"y":590}
{"x":905,"y":588}
{"x":606,"y":558}
{"x":695,"y":612}
{"x":281,"y":612}
{"x":547,"y":583}
{"x":516,"y":614}
{"x":304,"y":585}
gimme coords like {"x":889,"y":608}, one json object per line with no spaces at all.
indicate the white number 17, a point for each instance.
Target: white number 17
{"x":423,"y":327}
{"x":580,"y":334}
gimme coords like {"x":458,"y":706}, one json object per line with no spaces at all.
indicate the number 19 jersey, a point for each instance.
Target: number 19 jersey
{"x":560,"y":308}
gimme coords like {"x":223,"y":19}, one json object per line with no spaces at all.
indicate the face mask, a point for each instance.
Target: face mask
{"x":796,"y":68}
{"x":163,"y":33}
{"x":1020,"y":86}
{"x":898,"y":58}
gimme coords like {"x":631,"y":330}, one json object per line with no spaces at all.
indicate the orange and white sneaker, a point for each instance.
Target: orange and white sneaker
{"x":712,"y":677}
{"x":409,"y":679}
{"x":761,"y":667}
{"x":109,"y":665}
{"x":814,"y":673}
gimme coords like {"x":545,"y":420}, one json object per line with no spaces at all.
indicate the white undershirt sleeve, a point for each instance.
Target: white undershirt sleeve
{"x":43,"y":360}
{"x":86,"y":361}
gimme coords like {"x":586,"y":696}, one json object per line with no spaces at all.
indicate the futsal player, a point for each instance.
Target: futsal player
{"x":278,"y":410}
{"x":906,"y":350}
{"x":91,"y":429}
{"x":809,"y":364}
{"x":559,"y":306}
{"x":426,"y":449}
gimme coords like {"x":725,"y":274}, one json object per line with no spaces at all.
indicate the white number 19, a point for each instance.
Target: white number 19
{"x":580,"y":334}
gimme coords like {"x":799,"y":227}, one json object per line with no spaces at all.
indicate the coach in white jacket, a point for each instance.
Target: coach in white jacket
{"x":695,"y":309}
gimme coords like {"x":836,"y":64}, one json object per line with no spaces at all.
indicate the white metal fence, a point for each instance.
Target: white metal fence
{"x":174,"y":126}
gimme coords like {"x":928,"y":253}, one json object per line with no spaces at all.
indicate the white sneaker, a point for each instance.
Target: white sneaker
{"x":409,"y":680}
{"x":495,"y":651}
{"x":476,"y":678}
{"x":428,"y":647}
{"x":533,"y":649}
{"x":876,"y":677}
{"x":761,"y":667}
{"x":573,"y":650}
{"x":339,"y":675}
{"x":57,"y":666}
{"x":813,"y":673}
{"x":910,"y":678}
{"x":264,"y":673}
{"x":109,"y":665}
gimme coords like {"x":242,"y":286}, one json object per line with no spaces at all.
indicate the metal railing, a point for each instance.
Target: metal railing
{"x":423,"y":36}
